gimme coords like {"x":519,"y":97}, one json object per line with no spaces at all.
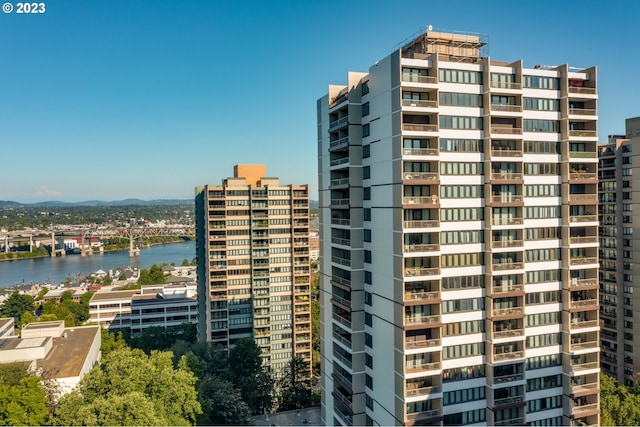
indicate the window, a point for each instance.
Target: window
{"x":365,"y":88}
{"x":368,"y":381}
{"x":460,"y":99}
{"x":463,"y":328}
{"x":542,"y":168}
{"x":366,"y":193}
{"x":462,"y":145}
{"x":538,"y":82}
{"x":461,"y":191}
{"x":538,"y":255}
{"x":460,"y":168}
{"x":368,"y":298}
{"x":460,"y":237}
{"x":366,"y":131}
{"x":460,"y":122}
{"x":367,"y":277}
{"x":546,"y":297}
{"x":462,"y":260}
{"x":543,"y":104}
{"x":366,"y":172}
{"x":544,"y":340}
{"x":366,"y":151}
{"x":538,"y":125}
{"x":538,"y":212}
{"x":464,"y":395}
{"x":542,"y":147}
{"x":462,"y":350}
{"x":367,"y":235}
{"x":368,"y":401}
{"x":546,"y":361}
{"x":541,"y":383}
{"x":464,"y":282}
{"x":462,"y":305}
{"x":462,"y":214}
{"x":368,"y":340}
{"x":367,"y":256}
{"x":365,"y":109}
{"x":463,"y":373}
{"x":366,"y":212}
{"x":544,"y":404}
{"x":542,"y":190}
{"x":541,"y":319}
{"x":464,"y":418}
{"x":368,"y":319}
{"x":460,"y":76}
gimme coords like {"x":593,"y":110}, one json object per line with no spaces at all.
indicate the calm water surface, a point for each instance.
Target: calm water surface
{"x":59,"y":269}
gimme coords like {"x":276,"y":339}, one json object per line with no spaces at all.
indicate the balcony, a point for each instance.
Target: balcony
{"x":506,"y":153}
{"x":342,"y":261}
{"x":339,"y":202}
{"x":342,"y":320}
{"x":509,"y":108}
{"x":507,"y":198}
{"x":583,"y":176}
{"x":507,"y":243}
{"x":420,"y":176}
{"x":338,"y":123}
{"x":419,"y":319}
{"x":586,"y":345}
{"x":421,"y":391}
{"x":340,"y":221}
{"x":418,"y":127}
{"x":583,"y":239}
{"x":506,"y":85}
{"x":421,"y":271}
{"x":508,"y":356}
{"x":508,"y":401}
{"x":508,"y":289}
{"x":585,"y":303}
{"x":511,"y":422}
{"x":507,"y":221}
{"x":421,"y":297}
{"x":420,"y":151}
{"x":510,"y":311}
{"x":421,"y":344}
{"x":415,"y":78}
{"x":508,"y":378}
{"x":339,"y":143}
{"x":584,"y":133}
{"x":508,"y":333}
{"x":508,"y":266}
{"x":582,"y":154}
{"x":582,"y":111}
{"x":421,"y":367}
{"x":583,"y":260}
{"x":421,"y":200}
{"x":585,"y":366}
{"x":425,"y":247}
{"x":420,"y":103}
{"x":421,"y":416}
{"x":582,"y":410}
{"x":582,"y":90}
{"x":505,"y":130}
{"x":421,"y":224}
{"x":506,"y":175}
{"x":340,"y":241}
{"x":339,"y":182}
{"x":584,"y":218}
{"x":583,"y":198}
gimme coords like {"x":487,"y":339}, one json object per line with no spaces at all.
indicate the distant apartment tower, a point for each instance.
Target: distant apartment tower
{"x":459,"y":240}
{"x":618,"y":202}
{"x":253,"y":265}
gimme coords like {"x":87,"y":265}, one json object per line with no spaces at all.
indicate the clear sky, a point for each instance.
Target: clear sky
{"x":116,"y":99}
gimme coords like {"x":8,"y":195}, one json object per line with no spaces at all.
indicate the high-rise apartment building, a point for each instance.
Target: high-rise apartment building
{"x":617,"y":241}
{"x":459,"y":240}
{"x":253,"y":265}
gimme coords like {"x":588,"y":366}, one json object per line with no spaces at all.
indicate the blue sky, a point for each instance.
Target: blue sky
{"x":114,"y":99}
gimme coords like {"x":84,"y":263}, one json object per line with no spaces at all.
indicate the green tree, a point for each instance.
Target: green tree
{"x":185,"y":263}
{"x":619,"y":405}
{"x":23,"y":400}
{"x":16,"y":305}
{"x":294,"y":387}
{"x":248,"y":374}
{"x":111,"y":341}
{"x":222,"y":403}
{"x":128,"y":379}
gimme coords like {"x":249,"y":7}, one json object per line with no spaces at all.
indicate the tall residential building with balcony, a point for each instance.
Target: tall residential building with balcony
{"x":459,"y":240}
{"x":252,"y":248}
{"x":618,"y":309}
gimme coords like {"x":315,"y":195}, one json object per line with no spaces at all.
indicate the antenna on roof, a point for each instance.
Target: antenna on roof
{"x":429,"y":28}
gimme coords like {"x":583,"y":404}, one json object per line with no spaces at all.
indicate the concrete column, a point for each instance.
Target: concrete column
{"x":53,"y":244}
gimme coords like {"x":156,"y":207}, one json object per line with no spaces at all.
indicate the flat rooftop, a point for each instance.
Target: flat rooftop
{"x":4,"y":322}
{"x":68,"y":355}
{"x":110,"y":295}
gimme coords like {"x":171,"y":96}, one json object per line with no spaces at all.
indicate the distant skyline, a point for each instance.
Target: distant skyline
{"x":109,"y":100}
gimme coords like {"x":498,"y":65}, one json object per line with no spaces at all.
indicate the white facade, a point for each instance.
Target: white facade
{"x":458,"y":233}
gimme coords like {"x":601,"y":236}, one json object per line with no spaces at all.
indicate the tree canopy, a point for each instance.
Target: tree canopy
{"x":129,"y":381}
{"x":619,"y":405}
{"x":16,"y":305}
{"x":23,"y":399}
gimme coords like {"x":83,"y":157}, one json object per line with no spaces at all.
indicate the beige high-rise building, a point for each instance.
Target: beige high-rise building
{"x":619,"y":294}
{"x":253,"y":265}
{"x":459,"y":240}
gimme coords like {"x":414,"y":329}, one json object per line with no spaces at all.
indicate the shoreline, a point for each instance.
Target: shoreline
{"x":146,"y":245}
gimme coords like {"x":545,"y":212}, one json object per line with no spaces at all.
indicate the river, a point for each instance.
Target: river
{"x":56,"y":270}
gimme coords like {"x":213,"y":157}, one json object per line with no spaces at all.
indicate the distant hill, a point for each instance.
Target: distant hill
{"x":127,"y":202}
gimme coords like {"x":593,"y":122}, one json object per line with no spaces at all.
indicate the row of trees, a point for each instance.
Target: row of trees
{"x":619,"y":405}
{"x":23,"y":309}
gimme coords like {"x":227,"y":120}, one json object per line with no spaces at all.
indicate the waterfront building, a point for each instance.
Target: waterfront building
{"x":459,"y":240}
{"x":252,"y":248}
{"x":155,"y":305}
{"x":55,"y":352}
{"x":617,"y":206}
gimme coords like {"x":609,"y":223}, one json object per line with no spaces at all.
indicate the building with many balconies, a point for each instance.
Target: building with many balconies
{"x":252,"y":247}
{"x":459,"y":240}
{"x":617,"y":206}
